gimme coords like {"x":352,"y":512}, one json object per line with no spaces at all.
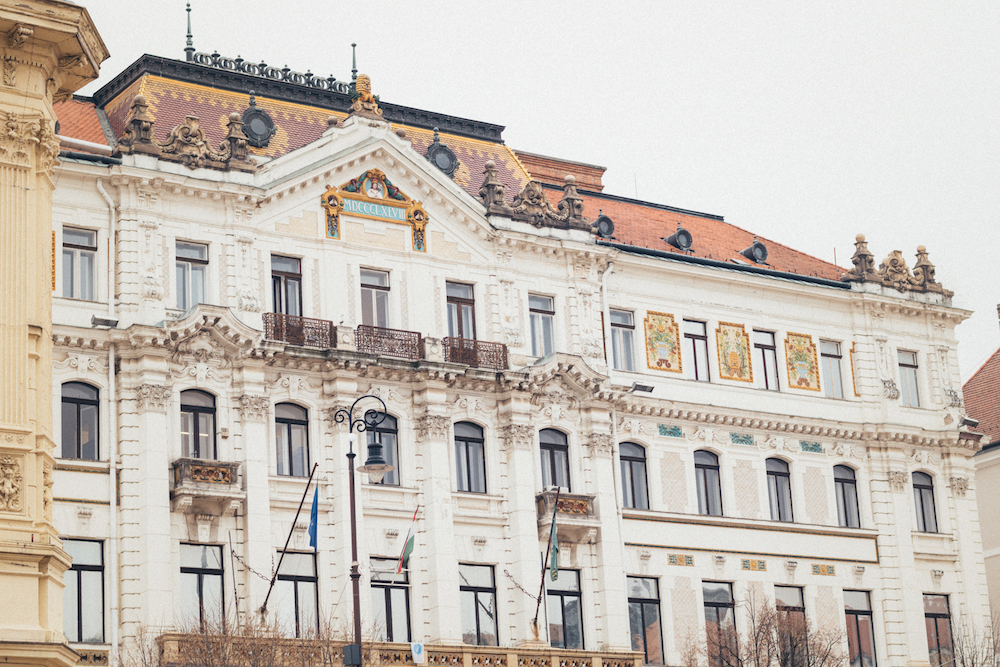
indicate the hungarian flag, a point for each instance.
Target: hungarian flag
{"x":404,"y":557}
{"x":554,"y":554}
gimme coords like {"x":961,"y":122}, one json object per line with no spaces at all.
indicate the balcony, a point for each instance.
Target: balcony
{"x":303,"y":331}
{"x":577,"y":520}
{"x":476,"y":353}
{"x":191,"y":650}
{"x":388,"y":342}
{"x":206,"y":487}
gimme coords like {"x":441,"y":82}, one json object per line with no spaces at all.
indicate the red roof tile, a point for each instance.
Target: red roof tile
{"x":982,"y":398}
{"x":78,"y":119}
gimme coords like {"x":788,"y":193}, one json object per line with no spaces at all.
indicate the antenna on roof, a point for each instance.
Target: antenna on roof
{"x":189,"y":49}
{"x":354,"y":62}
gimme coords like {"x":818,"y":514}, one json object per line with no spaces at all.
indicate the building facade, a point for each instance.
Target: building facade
{"x":724,"y":418}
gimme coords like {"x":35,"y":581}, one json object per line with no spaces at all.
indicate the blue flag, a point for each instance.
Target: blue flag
{"x":314,"y":520}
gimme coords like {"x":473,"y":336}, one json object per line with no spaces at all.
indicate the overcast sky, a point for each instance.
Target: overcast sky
{"x":805,"y":122}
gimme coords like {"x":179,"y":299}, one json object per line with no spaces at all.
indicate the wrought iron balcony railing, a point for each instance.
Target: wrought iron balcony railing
{"x":476,"y":353}
{"x":296,"y":330}
{"x":388,"y":342}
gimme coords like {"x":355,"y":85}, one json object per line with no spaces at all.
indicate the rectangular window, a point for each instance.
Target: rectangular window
{"x":295,"y":595}
{"x":720,"y":625}
{"x":622,"y":327}
{"x":192,"y":269}
{"x":792,"y":630}
{"x":202,"y":602}
{"x":908,"y":395}
{"x":375,"y":298}
{"x":937,"y":618}
{"x":542,"y":310}
{"x":696,"y":349}
{"x":286,"y":285}
{"x":79,"y":263}
{"x":461,"y":311}
{"x":390,"y":601}
{"x":83,"y":596}
{"x":830,"y":352}
{"x":860,"y":629}
{"x":565,"y":610}
{"x":644,"y":618}
{"x":765,"y":354}
{"x":478,"y":592}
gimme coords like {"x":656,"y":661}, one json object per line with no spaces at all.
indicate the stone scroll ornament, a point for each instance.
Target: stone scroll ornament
{"x":801,"y":359}
{"x":893,"y":271}
{"x":372,"y":195}
{"x":733,"y":345}
{"x":663,"y":349}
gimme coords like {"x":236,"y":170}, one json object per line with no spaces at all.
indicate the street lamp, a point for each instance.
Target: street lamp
{"x":376,"y":468}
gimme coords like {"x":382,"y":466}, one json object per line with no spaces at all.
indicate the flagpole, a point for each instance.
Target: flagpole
{"x":263,"y":607}
{"x":548,"y":549}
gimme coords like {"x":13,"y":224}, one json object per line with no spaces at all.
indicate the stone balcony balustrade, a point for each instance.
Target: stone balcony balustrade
{"x":200,"y":486}
{"x":577,"y":519}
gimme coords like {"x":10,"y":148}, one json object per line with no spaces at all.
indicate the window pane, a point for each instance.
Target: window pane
{"x":651,"y":618}
{"x":462,"y":465}
{"x":68,"y":273}
{"x":453,"y":320}
{"x":84,"y":552}
{"x":87,"y":289}
{"x":283,"y":597}
{"x":715,"y":591}
{"x":829,"y":347}
{"x":285,"y":264}
{"x":197,"y":398}
{"x":477,"y":468}
{"x":909,"y":358}
{"x":300,"y":451}
{"x":71,"y":594}
{"x":539,"y":302}
{"x":642,"y":587}
{"x":547,"y":468}
{"x":88,"y":432}
{"x":211,"y":592}
{"x":206,"y":435}
{"x":368,"y":307}
{"x":857,"y":600}
{"x":765,"y":338}
{"x":701,"y":360}
{"x":470,"y":634}
{"x":381,"y":308}
{"x":622,"y":317}
{"x":290,"y":411}
{"x":79,"y":237}
{"x":197,"y":285}
{"x":635,"y":626}
{"x":292,"y":297}
{"x":554,"y":608}
{"x":192,"y":250}
{"x":92,"y":609}
{"x":547,"y":341}
{"x":468,"y":322}
{"x":297,"y":564}
{"x":639,"y":480}
{"x":201,"y":556}
{"x":936,"y":604}
{"x":308,"y":622}
{"x":561,"y":460}
{"x":400,"y":618}
{"x":569,"y":581}
{"x":478,"y":576}
{"x":187,"y":433}
{"x":380,"y":627}
{"x":182,"y":286}
{"x":628,"y":498}
{"x":714,"y":492}
{"x":459,"y":290}
{"x":788,"y":596}
{"x":370,"y":277}
{"x":486,"y":608}
{"x":188,"y":609}
{"x":69,"y":430}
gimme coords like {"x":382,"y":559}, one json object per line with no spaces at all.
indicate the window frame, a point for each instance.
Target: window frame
{"x":695,"y":339}
{"x":774,"y":496}
{"x":921,"y":494}
{"x":476,"y":591}
{"x":718,"y":620}
{"x":297,"y":579}
{"x":369,"y":292}
{"x":909,"y":391}
{"x":201,"y":573}
{"x":561,"y":596}
{"x":78,"y":402}
{"x":386,"y":588}
{"x":855,"y":614}
{"x":764,"y":349}
{"x":464,"y":443}
{"x":389,"y":452}
{"x":630,"y":462}
{"x":792,"y":655}
{"x":74,"y":278}
{"x":289,"y":423}
{"x":841,"y":491}
{"x":536,"y":320}
{"x":619,"y":334}
{"x":78,"y":568}
{"x":552,"y":448}
{"x":832,"y":369}
{"x":457,"y":302}
{"x":187,"y":263}
{"x":197,"y":411}
{"x":642,"y":603}
{"x":279,"y":286}
{"x":934,"y":649}
{"x":701,"y":483}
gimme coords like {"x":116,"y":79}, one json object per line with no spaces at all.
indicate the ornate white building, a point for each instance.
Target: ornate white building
{"x":726,"y":417}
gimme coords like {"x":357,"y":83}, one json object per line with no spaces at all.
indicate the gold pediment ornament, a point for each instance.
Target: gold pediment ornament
{"x":372,"y":195}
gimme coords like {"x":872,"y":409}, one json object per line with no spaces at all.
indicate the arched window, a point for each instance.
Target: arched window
{"x":386,"y":433}
{"x":555,"y":458}
{"x":198,"y":424}
{"x":779,"y":490}
{"x":291,"y":435}
{"x":706,"y":473}
{"x":846,"y":489}
{"x":470,"y":460}
{"x":79,"y":421}
{"x":634,"y":491}
{"x":923,"y":502}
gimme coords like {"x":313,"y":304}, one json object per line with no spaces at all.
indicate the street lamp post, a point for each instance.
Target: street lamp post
{"x":376,"y":468}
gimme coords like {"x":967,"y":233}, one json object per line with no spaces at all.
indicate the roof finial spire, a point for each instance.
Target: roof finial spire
{"x":189,"y":49}
{"x":354,"y":62}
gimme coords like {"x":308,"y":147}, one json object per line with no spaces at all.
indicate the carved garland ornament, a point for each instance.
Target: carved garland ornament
{"x":10,"y":484}
{"x":517,"y":436}
{"x":897,"y":480}
{"x":253,"y":408}
{"x":959,"y":485}
{"x":599,"y":444}
{"x":432,"y":427}
{"x":152,"y":398}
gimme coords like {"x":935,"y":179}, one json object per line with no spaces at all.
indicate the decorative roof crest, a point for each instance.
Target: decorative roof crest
{"x":364,"y":103}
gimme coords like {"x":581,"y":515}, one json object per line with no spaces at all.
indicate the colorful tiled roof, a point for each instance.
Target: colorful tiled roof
{"x":78,"y":119}
{"x":982,"y":398}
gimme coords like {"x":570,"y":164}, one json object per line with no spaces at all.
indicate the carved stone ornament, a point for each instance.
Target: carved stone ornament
{"x":532,"y":203}
{"x":47,"y":491}
{"x":23,"y":139}
{"x":864,"y":262}
{"x":517,"y":436}
{"x":959,"y":485}
{"x":18,"y":35}
{"x":897,"y":480}
{"x":599,"y":444}
{"x":138,"y":136}
{"x":492,"y":192}
{"x":890,"y":389}
{"x":365,"y":104}
{"x":571,"y":204}
{"x":152,"y":397}
{"x":9,"y":72}
{"x":10,"y":484}
{"x":954,"y":398}
{"x":432,"y":427}
{"x":253,"y":408}
{"x":893,"y":271}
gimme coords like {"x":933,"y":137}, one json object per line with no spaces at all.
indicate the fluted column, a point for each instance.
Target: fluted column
{"x":49,"y":49}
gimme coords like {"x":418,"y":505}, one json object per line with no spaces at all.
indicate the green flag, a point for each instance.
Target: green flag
{"x":554,"y":555}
